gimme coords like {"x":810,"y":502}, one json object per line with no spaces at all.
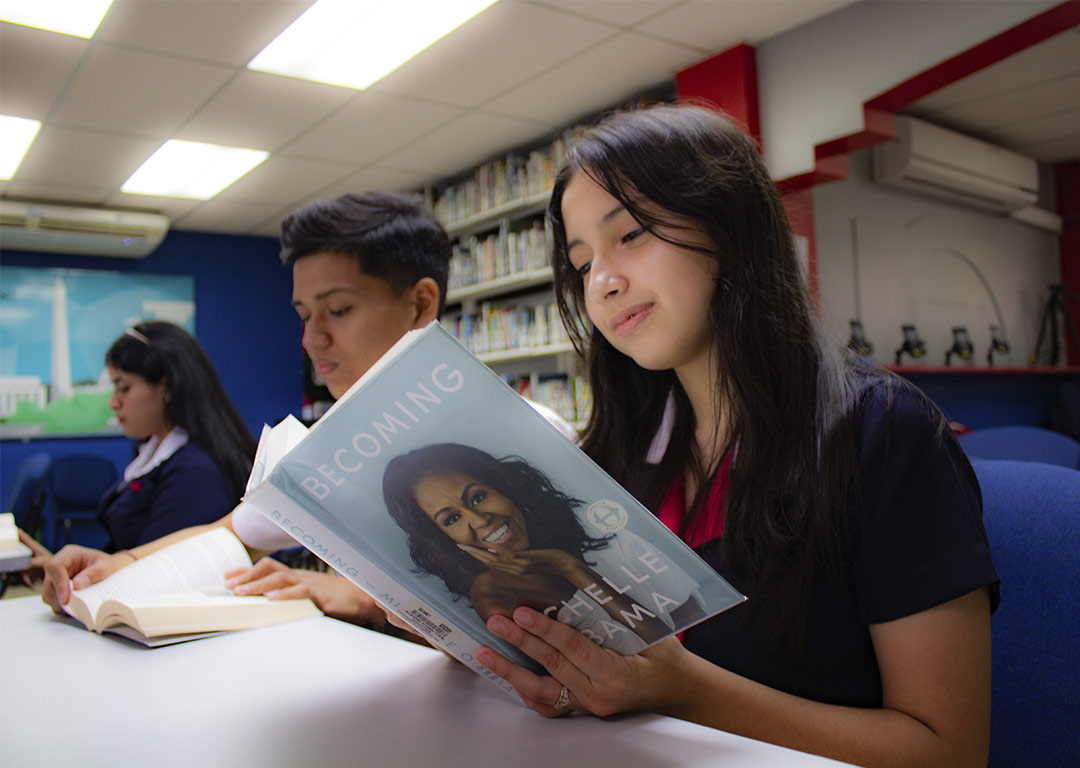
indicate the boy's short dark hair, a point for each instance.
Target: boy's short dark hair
{"x":393,"y":237}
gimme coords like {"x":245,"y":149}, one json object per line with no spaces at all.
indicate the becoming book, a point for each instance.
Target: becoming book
{"x":178,"y":593}
{"x":445,"y":496}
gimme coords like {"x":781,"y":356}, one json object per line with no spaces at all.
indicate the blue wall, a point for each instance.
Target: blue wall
{"x":243,"y":319}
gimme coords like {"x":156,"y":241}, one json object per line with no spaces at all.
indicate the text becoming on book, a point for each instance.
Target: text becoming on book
{"x":413,"y":405}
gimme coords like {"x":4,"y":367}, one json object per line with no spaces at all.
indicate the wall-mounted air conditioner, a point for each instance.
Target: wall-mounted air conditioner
{"x":87,"y":231}
{"x":937,"y":161}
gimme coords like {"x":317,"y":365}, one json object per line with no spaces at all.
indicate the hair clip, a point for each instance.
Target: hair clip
{"x":132,"y":332}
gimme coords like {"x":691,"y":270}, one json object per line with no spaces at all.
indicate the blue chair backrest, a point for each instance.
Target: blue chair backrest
{"x":1022,"y":443}
{"x":26,"y":493}
{"x":77,"y":481}
{"x":1032,"y":517}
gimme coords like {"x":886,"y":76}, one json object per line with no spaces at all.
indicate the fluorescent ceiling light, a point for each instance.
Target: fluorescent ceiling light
{"x":191,"y":169}
{"x":355,"y":42}
{"x":16,"y":136}
{"x":70,"y":17}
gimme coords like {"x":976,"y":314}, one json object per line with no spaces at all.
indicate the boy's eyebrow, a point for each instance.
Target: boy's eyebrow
{"x":603,"y":220}
{"x":322,"y":295}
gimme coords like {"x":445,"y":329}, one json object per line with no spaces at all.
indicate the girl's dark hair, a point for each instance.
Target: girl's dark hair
{"x":548,"y":513}
{"x":785,"y":391}
{"x":196,"y":400}
{"x":393,"y":237}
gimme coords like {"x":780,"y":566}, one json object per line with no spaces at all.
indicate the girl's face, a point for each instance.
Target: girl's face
{"x":472,"y":513}
{"x":649,"y":298}
{"x":139,"y":405}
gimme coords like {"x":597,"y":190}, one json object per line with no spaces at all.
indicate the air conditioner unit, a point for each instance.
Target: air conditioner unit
{"x":87,"y":231}
{"x":937,"y":161}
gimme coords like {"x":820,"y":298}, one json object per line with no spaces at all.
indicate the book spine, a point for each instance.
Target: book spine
{"x":294,"y":520}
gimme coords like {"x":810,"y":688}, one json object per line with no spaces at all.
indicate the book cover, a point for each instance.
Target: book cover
{"x":439,"y":491}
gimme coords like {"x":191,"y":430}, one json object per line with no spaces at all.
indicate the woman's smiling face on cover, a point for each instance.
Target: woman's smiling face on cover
{"x":472,"y":513}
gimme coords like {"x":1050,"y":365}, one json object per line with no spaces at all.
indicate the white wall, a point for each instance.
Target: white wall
{"x":813,"y":80}
{"x":902,"y":258}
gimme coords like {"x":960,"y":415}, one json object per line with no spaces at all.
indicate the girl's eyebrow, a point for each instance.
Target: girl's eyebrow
{"x":603,"y":220}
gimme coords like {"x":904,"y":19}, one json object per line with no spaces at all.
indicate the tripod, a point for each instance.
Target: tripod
{"x":1055,"y":305}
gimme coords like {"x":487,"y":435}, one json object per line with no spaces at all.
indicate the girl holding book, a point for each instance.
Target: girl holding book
{"x":828,"y":491}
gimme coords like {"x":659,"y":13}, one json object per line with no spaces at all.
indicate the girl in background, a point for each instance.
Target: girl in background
{"x":195,"y":453}
{"x":828,"y":491}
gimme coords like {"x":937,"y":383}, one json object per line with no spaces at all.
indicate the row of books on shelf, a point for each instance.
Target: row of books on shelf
{"x":500,"y":254}
{"x":498,"y":327}
{"x":569,"y":396}
{"x":516,"y":176}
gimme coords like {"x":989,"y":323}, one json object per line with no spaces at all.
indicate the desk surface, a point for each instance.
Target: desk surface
{"x":314,"y":692}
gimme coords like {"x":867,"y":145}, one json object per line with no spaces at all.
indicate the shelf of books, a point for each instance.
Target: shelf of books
{"x":499,"y":289}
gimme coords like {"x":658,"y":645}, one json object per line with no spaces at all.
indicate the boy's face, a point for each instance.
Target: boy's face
{"x":350,"y":319}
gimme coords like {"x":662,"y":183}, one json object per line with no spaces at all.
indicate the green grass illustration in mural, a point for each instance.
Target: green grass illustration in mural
{"x":84,"y":412}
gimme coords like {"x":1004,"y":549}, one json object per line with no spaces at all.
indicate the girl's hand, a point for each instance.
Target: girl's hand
{"x":600,"y":682}
{"x":532,"y":561}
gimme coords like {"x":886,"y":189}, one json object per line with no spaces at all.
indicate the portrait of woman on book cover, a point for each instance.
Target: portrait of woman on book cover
{"x":498,"y":532}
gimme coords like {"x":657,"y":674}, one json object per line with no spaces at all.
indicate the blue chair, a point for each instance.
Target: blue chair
{"x":1032,"y":517}
{"x":26,"y":495}
{"x":1022,"y":443}
{"x":75,"y":484}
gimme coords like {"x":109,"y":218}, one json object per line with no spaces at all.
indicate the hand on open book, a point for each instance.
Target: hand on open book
{"x":598,"y":681}
{"x":334,"y":595}
{"x":76,"y":567}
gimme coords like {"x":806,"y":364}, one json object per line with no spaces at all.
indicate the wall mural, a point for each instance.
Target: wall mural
{"x":55,"y":327}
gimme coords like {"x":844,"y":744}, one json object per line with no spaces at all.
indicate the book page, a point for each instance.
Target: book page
{"x":274,"y":442}
{"x":197,"y":564}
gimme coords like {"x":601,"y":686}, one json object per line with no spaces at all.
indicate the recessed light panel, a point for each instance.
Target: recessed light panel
{"x":16,"y":136}
{"x":70,"y":17}
{"x":191,"y":169}
{"x":353,"y":43}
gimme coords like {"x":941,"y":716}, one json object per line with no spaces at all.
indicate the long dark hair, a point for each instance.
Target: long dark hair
{"x":786,"y":391}
{"x":159,"y":351}
{"x":547,"y":511}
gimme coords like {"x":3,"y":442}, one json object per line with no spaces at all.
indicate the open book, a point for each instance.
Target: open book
{"x":178,"y":593}
{"x":439,"y":491}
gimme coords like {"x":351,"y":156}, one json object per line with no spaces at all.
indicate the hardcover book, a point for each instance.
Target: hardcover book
{"x":443,"y":494}
{"x":178,"y":593}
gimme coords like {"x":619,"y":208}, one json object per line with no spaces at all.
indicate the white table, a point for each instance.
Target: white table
{"x":314,"y":692}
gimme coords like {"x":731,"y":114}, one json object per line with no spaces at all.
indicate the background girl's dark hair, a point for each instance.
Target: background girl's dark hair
{"x":393,"y":237}
{"x":786,"y":391}
{"x":197,"y":402}
{"x":548,"y":512}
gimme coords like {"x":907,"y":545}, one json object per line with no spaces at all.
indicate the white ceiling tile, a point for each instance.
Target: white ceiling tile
{"x":262,"y":111}
{"x":280,"y":180}
{"x":1061,"y":124}
{"x":56,"y":193}
{"x":715,"y":25}
{"x":475,"y":138}
{"x":137,"y":93}
{"x":223,"y":216}
{"x":229,"y":32}
{"x":1004,"y":109}
{"x":369,"y":127}
{"x":83,"y":158}
{"x":567,"y":93}
{"x":1064,"y":149}
{"x":506,"y":44}
{"x":34,"y":68}
{"x":1054,"y":58}
{"x":376,"y":178}
{"x":624,"y":13}
{"x":173,"y":207}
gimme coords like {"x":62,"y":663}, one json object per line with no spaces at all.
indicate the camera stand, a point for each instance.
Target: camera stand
{"x":1048,"y":326}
